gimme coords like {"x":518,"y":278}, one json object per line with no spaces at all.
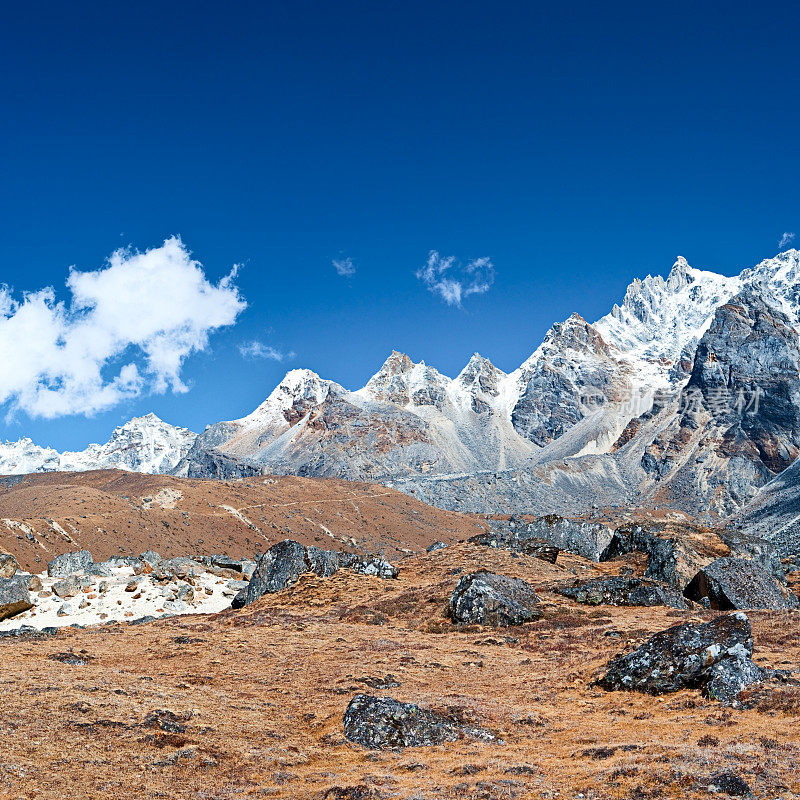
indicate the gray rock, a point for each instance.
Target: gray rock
{"x":669,"y":559}
{"x":715,"y":657}
{"x":432,"y":548}
{"x":517,"y":543}
{"x":69,"y":563}
{"x":102,"y":570}
{"x":182,"y":567}
{"x":226,"y":562}
{"x":761,"y":551}
{"x":283,"y":564}
{"x":323,"y":562}
{"x":71,"y":586}
{"x":728,"y":783}
{"x":484,"y":598}
{"x":123,"y":561}
{"x":248,"y":568}
{"x":8,"y":565}
{"x":587,"y":539}
{"x":150,"y":557}
{"x":731,"y":583}
{"x":385,"y":723}
{"x":15,"y":596}
{"x":622,"y":591}
{"x":368,"y":565}
{"x":185,"y":593}
{"x":34,"y":583}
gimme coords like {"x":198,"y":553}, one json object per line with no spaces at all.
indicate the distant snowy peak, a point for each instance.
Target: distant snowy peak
{"x":144,"y":444}
{"x":658,"y":317}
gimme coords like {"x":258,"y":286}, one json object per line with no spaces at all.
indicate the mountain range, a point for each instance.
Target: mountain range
{"x":686,"y":395}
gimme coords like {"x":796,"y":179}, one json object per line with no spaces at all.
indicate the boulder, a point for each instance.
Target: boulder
{"x":587,"y":539}
{"x":671,"y":558}
{"x":283,"y":564}
{"x":150,"y":557}
{"x":754,"y":549}
{"x":731,"y":583}
{"x":485,"y":598}
{"x":226,"y":562}
{"x":713,"y":656}
{"x":71,"y":585}
{"x":368,"y":565}
{"x":622,"y":591}
{"x":122,"y":561}
{"x":728,"y":783}
{"x":69,"y":564}
{"x":527,"y":545}
{"x":385,"y":723}
{"x":181,"y":567}
{"x":432,"y":548}
{"x":103,"y":570}
{"x":8,"y":565}
{"x":15,"y":596}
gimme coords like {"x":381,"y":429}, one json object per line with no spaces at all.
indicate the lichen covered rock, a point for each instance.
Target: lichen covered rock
{"x":713,"y":656}
{"x":484,"y":598}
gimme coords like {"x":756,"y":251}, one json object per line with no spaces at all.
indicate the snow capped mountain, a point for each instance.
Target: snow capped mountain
{"x":658,"y":318}
{"x":143,"y":444}
{"x":597,"y":413}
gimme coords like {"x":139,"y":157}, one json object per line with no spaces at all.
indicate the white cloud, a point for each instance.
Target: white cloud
{"x":344,"y":266}
{"x":127,"y":330}
{"x":445,"y":277}
{"x":786,"y":239}
{"x":256,"y":349}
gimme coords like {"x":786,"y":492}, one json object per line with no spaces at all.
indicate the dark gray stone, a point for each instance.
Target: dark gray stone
{"x":432,"y":548}
{"x":587,"y":539}
{"x":484,"y":598}
{"x":14,"y":596}
{"x":715,"y":657}
{"x":283,"y":564}
{"x":728,"y":783}
{"x":226,"y":562}
{"x":69,"y":563}
{"x":731,"y":583}
{"x":621,"y":591}
{"x":517,"y":543}
{"x":385,"y":723}
{"x":122,"y":561}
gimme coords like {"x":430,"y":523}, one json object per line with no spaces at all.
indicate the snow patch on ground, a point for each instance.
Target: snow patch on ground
{"x":106,"y":600}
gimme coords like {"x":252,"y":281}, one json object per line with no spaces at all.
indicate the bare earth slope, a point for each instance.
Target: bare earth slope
{"x":113,"y":512}
{"x":250,"y":703}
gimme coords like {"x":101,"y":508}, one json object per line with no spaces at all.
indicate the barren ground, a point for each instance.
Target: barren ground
{"x":261,"y":693}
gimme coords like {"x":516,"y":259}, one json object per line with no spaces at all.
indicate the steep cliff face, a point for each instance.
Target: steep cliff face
{"x":738,"y":421}
{"x":572,"y":374}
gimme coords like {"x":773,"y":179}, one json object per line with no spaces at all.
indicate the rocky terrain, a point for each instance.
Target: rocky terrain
{"x":349,"y":685}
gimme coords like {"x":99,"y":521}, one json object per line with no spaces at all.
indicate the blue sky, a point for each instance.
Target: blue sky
{"x":575,"y":145}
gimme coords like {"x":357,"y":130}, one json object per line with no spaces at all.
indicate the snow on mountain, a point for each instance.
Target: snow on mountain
{"x":584,"y":401}
{"x":143,"y":444}
{"x":658,"y":318}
